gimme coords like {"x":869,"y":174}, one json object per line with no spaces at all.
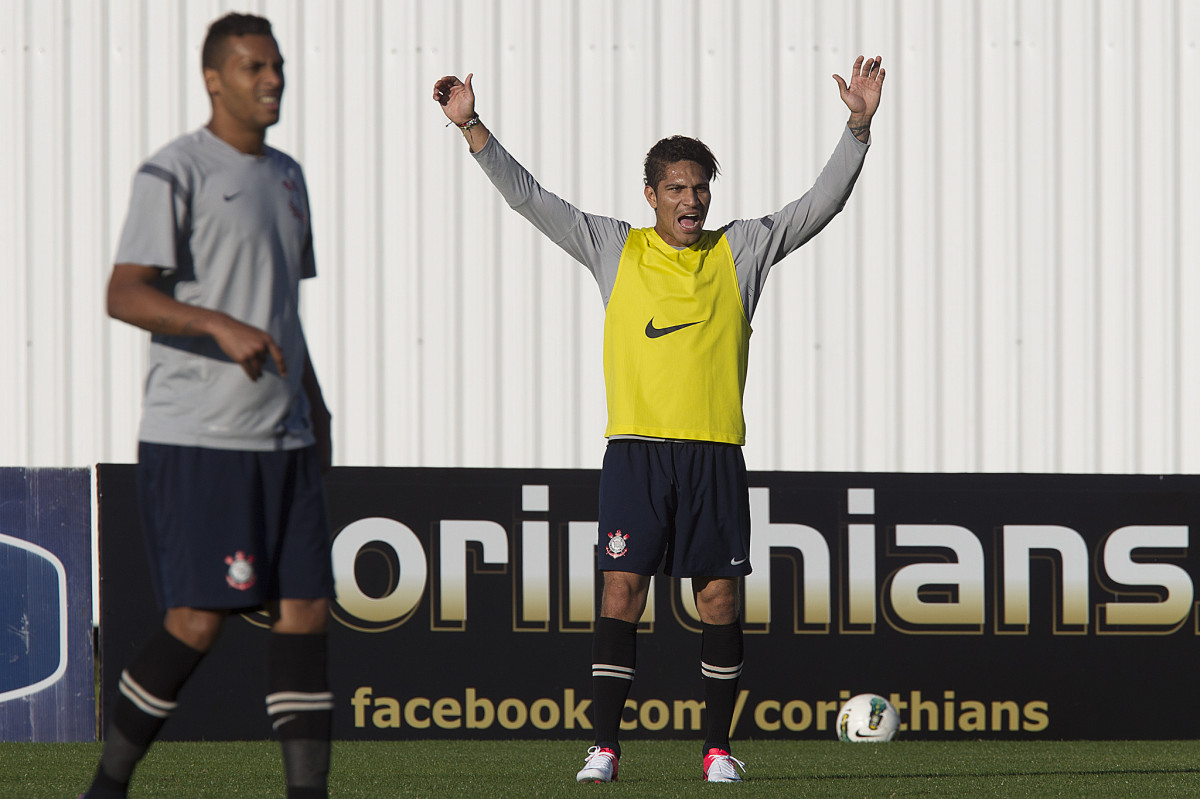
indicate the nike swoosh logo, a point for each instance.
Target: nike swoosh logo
{"x":231,"y":195}
{"x":736,"y":562}
{"x":656,"y":332}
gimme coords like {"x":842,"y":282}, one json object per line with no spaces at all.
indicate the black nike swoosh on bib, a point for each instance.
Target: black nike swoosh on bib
{"x":655,"y":332}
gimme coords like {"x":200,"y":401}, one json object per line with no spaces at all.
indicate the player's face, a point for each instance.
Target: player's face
{"x":248,"y":88}
{"x":680,"y":202}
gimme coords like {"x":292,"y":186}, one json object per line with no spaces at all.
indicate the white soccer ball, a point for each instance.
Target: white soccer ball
{"x":867,"y":718}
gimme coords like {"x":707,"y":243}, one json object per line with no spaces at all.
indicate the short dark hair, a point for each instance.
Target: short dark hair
{"x":678,"y":148}
{"x":222,"y":30}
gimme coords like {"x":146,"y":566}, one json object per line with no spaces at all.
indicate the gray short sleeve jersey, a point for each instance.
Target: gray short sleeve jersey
{"x":757,"y":244}
{"x":230,"y":232}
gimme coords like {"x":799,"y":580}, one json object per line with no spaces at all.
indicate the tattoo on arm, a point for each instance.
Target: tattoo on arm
{"x":169,"y":325}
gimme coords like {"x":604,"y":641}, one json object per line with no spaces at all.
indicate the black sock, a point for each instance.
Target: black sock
{"x":614,"y":657}
{"x":721,"y":666}
{"x":148,"y":689}
{"x":300,"y":706}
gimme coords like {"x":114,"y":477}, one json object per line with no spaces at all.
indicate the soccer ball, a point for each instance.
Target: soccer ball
{"x":867,"y":718}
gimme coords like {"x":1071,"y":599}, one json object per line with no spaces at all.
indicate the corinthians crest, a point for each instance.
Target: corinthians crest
{"x":616,"y":545}
{"x":241,"y":571}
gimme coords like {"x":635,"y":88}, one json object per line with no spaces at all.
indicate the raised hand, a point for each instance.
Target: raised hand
{"x":861,"y":96}
{"x":456,"y":98}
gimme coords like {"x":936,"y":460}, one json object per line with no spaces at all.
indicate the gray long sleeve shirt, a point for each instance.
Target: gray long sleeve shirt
{"x":757,"y":244}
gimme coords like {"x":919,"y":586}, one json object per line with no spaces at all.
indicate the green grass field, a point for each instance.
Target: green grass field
{"x":649,"y":769}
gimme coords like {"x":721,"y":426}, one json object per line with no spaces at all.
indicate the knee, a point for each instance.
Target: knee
{"x":719,"y":611}
{"x":623,"y":599}
{"x":302,"y":616}
{"x":719,"y":603}
{"x":196,"y":628}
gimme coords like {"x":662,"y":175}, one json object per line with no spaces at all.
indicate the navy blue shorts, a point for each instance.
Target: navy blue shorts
{"x":683,"y":505}
{"x":233,"y":529}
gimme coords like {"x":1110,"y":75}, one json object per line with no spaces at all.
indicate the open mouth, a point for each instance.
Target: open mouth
{"x":689,"y":223}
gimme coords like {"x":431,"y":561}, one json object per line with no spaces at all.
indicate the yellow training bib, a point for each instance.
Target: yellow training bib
{"x":676,"y":341}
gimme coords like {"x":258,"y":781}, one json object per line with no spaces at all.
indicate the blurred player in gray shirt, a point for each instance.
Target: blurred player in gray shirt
{"x":234,"y":434}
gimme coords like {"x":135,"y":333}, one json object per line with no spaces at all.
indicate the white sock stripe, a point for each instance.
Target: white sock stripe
{"x":298,"y":701}
{"x":297,"y":707}
{"x":299,"y":696}
{"x":146,"y":702}
{"x":612,"y":667}
{"x":727,"y":669}
{"x":720,"y":672}
{"x":136,"y":687}
{"x":141,"y":704}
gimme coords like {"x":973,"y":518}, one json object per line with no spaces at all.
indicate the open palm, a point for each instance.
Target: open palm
{"x":861,"y":96}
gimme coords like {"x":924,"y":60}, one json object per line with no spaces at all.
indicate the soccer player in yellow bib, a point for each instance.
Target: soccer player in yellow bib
{"x":678,"y":303}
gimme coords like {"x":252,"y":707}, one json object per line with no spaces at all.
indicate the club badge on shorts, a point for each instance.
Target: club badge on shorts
{"x":616,"y":545}
{"x":241,"y":571}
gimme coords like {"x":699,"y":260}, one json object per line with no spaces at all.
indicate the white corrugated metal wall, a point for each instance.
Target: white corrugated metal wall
{"x":1010,"y":288}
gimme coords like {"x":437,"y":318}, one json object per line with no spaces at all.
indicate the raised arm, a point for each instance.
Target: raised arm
{"x":861,"y":96}
{"x":593,"y":240}
{"x":759,"y":244}
{"x":458,"y":103}
{"x":133,"y":298}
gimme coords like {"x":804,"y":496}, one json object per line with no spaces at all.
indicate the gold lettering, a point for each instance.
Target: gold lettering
{"x":512,"y":714}
{"x":630,"y":724}
{"x":447,"y":713}
{"x":387,"y":712}
{"x":760,"y":715}
{"x":789,"y":715}
{"x":574,"y":714}
{"x":927,"y":707}
{"x":474,"y":722}
{"x":1001,"y":709}
{"x":654,"y":714}
{"x":544,"y":714}
{"x":973,"y":717}
{"x":690,"y":707}
{"x":823,"y":711}
{"x":410,"y":713}
{"x":1037,"y":716}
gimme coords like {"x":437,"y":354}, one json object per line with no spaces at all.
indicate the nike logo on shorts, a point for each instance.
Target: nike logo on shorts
{"x":736,"y":562}
{"x":230,"y":195}
{"x":655,"y":332}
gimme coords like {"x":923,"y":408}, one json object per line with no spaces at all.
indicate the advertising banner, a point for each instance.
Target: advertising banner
{"x":983,"y":606}
{"x":46,"y":668}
